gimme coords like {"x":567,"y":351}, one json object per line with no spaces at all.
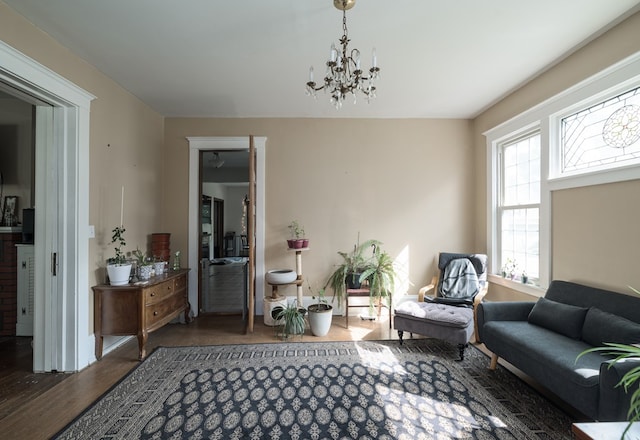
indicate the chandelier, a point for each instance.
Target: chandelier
{"x":343,"y":74}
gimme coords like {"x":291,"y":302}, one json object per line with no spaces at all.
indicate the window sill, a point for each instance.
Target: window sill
{"x":528,"y":289}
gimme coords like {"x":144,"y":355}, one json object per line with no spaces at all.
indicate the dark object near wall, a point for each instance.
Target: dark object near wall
{"x":28,"y":222}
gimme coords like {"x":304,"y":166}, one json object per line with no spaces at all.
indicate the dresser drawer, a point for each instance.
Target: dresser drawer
{"x":180,"y":283}
{"x":163,"y":311}
{"x":158,"y":292}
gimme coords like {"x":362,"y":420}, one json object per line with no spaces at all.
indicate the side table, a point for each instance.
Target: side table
{"x":364,"y":292}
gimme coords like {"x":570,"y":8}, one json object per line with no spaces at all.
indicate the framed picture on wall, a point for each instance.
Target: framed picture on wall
{"x":9,"y":217}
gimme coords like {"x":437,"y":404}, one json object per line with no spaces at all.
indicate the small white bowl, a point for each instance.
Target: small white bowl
{"x":281,"y":276}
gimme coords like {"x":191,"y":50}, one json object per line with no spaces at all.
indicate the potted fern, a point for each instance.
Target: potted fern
{"x":118,"y":269}
{"x":380,"y":274}
{"x":348,"y":274}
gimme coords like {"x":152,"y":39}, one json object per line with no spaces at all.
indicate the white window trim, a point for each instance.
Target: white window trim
{"x":545,"y":117}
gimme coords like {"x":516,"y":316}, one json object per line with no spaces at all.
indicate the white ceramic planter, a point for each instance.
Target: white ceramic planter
{"x":281,"y":276}
{"x":119,"y":274}
{"x":320,"y":321}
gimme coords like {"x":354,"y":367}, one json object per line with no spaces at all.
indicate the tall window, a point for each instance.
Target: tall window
{"x":519,"y":209}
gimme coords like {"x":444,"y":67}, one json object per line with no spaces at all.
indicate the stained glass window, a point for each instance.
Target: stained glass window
{"x":605,"y":135}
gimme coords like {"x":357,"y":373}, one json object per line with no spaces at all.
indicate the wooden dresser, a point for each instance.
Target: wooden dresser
{"x":139,"y":309}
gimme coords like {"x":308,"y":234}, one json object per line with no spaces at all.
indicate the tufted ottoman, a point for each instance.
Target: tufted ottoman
{"x":441,"y":321}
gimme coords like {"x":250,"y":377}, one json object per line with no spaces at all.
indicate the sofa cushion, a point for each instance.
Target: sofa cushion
{"x":600,"y":327}
{"x":558,"y":317}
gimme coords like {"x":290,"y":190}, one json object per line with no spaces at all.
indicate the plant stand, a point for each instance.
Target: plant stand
{"x":276,"y":299}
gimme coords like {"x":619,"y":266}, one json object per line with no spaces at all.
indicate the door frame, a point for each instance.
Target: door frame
{"x":196,"y":144}
{"x":61,"y":340}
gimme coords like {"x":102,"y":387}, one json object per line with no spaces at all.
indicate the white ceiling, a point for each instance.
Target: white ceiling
{"x":250,"y":58}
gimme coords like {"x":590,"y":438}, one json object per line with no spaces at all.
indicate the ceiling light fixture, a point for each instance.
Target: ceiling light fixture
{"x":216,"y":161}
{"x":343,"y":74}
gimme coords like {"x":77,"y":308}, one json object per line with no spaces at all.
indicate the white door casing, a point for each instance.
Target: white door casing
{"x":225,"y":143}
{"x":62,"y":341}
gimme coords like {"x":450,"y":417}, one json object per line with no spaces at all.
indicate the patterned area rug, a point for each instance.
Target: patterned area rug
{"x":336,"y":390}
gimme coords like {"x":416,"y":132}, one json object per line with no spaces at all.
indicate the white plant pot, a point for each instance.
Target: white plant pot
{"x":281,"y":276}
{"x":119,"y":274}
{"x":320,"y":321}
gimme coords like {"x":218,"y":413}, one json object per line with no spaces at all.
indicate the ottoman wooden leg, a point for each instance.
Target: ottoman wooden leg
{"x":400,"y":333}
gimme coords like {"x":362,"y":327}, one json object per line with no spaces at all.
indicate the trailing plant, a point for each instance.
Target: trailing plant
{"x":381,"y":275}
{"x":290,"y":319}
{"x":117,"y":238}
{"x":630,"y":378}
{"x":353,"y":264}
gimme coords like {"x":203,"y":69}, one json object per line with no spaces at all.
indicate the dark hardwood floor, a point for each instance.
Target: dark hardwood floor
{"x":36,"y":406}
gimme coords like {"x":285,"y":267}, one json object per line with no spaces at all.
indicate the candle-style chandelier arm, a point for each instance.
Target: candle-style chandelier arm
{"x":344,"y":74}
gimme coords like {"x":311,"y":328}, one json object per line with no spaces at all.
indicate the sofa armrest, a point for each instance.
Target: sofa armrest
{"x":502,"y":311}
{"x":614,"y":400}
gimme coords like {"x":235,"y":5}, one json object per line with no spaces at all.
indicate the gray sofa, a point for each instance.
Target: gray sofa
{"x":544,"y":338}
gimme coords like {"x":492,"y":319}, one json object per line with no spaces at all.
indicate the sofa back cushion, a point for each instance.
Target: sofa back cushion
{"x":561,"y":318}
{"x":600,"y":327}
{"x":627,"y":306}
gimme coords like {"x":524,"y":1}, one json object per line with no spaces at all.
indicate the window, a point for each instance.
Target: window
{"x":604,"y":135}
{"x":586,"y":135}
{"x":519,"y":210}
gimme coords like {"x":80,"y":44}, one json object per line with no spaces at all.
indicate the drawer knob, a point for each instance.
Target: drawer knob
{"x":155,"y":313}
{"x":153,"y":294}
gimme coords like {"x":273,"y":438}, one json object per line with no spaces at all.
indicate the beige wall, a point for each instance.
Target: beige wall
{"x":407,"y":183}
{"x":595,"y":240}
{"x":126,"y":139}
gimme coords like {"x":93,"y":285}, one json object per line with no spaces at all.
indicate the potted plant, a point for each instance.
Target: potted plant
{"x":320,"y":314}
{"x":145,"y":264}
{"x":118,"y":269}
{"x":289,"y":320}
{"x":297,"y":240}
{"x":380,"y":274}
{"x":348,"y":273}
{"x":630,"y":378}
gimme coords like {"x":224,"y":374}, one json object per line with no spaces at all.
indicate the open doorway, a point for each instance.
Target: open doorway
{"x":224,"y":187}
{"x":256,"y":216}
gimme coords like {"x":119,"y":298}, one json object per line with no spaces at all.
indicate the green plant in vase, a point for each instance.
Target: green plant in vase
{"x":353,"y":264}
{"x":290,"y":320}
{"x":118,"y":269}
{"x":145,"y":264}
{"x":380,"y":274}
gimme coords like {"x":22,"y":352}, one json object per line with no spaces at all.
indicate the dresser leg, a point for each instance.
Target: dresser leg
{"x":99,"y":339}
{"x":187,"y":313}
{"x":142,"y":342}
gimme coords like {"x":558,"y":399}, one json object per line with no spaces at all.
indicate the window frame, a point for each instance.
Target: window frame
{"x":546,"y":118}
{"x":501,"y":205}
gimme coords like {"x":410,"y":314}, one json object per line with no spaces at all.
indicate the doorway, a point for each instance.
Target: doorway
{"x":61,"y":316}
{"x":224,"y":178}
{"x":197,"y":144}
